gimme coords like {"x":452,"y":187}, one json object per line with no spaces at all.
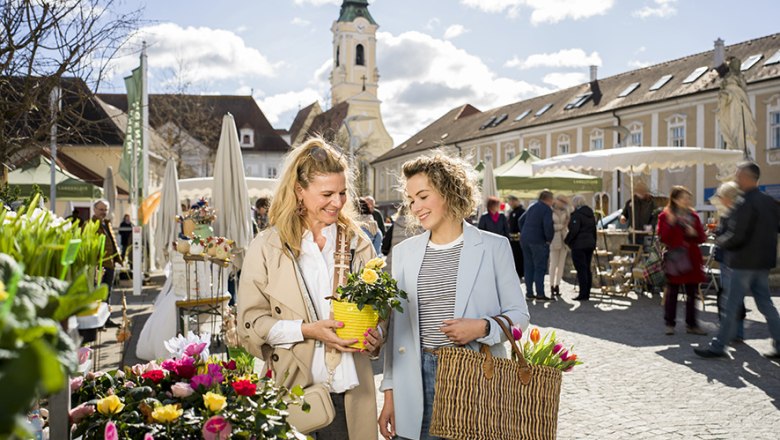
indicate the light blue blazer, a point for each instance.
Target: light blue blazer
{"x":487,"y":286}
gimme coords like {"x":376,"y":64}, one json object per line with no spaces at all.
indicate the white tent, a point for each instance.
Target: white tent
{"x":198,"y":187}
{"x":637,"y":160}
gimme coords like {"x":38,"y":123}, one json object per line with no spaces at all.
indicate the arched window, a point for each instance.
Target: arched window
{"x":601,"y":203}
{"x":564,"y":144}
{"x":360,"y":58}
{"x":535,"y":147}
{"x":676,"y":130}
{"x":636,"y":133}
{"x":597,"y":139}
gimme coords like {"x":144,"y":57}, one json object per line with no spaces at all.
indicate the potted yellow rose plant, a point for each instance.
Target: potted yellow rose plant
{"x":368,"y":296}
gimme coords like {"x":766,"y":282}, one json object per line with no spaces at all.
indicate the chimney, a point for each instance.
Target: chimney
{"x":719,"y":54}
{"x":594,"y":73}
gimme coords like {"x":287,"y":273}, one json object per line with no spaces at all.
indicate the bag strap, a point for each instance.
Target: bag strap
{"x":525,"y":369}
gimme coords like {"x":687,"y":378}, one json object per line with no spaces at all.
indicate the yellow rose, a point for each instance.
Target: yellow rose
{"x":369,"y":276}
{"x":214,"y":402}
{"x":167,"y":413}
{"x":3,"y":293}
{"x":376,"y":263}
{"x":110,"y":405}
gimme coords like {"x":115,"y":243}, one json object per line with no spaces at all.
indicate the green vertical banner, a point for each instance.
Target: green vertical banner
{"x":133,"y":145}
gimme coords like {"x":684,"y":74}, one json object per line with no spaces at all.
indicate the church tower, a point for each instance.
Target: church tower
{"x":354,"y":80}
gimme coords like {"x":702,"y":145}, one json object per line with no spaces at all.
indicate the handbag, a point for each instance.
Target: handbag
{"x":321,"y":410}
{"x":676,"y":261}
{"x":479,"y":397}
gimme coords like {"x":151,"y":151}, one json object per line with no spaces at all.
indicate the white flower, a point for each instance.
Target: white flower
{"x":178,"y":345}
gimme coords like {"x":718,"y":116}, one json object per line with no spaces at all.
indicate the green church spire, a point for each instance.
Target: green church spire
{"x":352,"y":9}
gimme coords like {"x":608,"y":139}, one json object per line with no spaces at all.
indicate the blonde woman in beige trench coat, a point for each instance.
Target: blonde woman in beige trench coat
{"x":283,"y":316}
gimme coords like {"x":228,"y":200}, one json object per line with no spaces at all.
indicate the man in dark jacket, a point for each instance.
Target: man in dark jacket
{"x":514,"y":233}
{"x":536,"y":232}
{"x":582,"y":241}
{"x":645,"y":205}
{"x":751,"y":245}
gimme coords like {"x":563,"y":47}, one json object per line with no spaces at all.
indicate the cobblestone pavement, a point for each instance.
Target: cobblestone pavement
{"x":636,"y":382}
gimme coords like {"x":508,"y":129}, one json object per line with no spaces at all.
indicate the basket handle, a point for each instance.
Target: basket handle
{"x":525,"y":369}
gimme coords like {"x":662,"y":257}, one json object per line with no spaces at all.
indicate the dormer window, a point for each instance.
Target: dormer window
{"x":360,"y":58}
{"x":247,"y":138}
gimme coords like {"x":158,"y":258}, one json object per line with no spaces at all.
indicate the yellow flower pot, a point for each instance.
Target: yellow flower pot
{"x":356,"y":322}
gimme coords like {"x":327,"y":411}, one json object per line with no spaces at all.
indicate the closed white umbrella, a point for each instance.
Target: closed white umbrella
{"x":166,"y":213}
{"x":230,"y":195}
{"x":489,"y":187}
{"x":109,"y":192}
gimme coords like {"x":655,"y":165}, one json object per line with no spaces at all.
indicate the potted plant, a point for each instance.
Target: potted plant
{"x":368,"y":296}
{"x":197,"y":245}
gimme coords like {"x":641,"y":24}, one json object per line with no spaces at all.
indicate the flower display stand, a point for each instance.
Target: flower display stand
{"x":205,"y":297}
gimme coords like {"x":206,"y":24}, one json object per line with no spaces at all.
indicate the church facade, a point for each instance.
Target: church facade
{"x":354,"y":119}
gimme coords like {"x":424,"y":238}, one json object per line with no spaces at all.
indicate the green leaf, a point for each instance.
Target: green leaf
{"x":297,"y":390}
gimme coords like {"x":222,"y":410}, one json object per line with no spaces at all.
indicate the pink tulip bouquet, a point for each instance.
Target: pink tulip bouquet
{"x":545,"y":350}
{"x":190,"y":395}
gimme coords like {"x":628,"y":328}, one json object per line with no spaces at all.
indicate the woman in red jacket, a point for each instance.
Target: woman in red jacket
{"x":680,"y":229}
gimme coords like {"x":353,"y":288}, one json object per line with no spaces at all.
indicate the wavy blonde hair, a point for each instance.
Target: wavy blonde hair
{"x":315,"y":157}
{"x":453,"y":178}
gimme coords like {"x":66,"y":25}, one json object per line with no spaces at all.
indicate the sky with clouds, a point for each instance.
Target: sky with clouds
{"x":433,"y":55}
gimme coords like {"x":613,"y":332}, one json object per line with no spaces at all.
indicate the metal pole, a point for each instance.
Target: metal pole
{"x":54,"y":104}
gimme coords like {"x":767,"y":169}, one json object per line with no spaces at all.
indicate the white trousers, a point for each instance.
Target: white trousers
{"x":557,"y":263}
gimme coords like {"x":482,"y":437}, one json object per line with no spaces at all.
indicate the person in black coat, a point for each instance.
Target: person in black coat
{"x":582,"y":241}
{"x":493,"y":220}
{"x":514,"y":233}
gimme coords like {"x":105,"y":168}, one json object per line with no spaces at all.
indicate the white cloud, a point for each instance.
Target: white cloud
{"x":544,"y":11}
{"x":317,"y":2}
{"x":564,"y":80}
{"x":435,"y":77}
{"x":562,"y":58}
{"x":298,"y":21}
{"x":661,"y":9}
{"x":274,"y":106}
{"x":636,"y":64}
{"x":432,"y":24}
{"x":241,"y":29}
{"x":200,"y":54}
{"x":454,"y":31}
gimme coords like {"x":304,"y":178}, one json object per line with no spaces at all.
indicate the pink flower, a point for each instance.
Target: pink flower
{"x":148,"y":436}
{"x":217,"y":428}
{"x":229,"y":365}
{"x":83,"y":355}
{"x":517,"y":334}
{"x":110,"y":433}
{"x":564,"y":355}
{"x":129,"y":384}
{"x":568,"y":369}
{"x":75,"y":383}
{"x":182,"y":389}
{"x":203,"y":380}
{"x":195,"y":349}
{"x":557,"y":348}
{"x":169,"y":364}
{"x":185,"y":368}
{"x":81,"y":411}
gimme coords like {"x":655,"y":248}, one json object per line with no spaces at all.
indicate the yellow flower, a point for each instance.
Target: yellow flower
{"x":3,"y":293}
{"x":369,"y":276}
{"x":167,"y":413}
{"x":376,"y":263}
{"x":110,"y":405}
{"x":214,"y":402}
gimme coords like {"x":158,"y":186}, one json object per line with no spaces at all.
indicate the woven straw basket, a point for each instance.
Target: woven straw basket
{"x":479,"y":397}
{"x":356,"y":322}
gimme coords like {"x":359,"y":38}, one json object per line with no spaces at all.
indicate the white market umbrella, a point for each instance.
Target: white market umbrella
{"x":166,"y":213}
{"x":638,"y":160}
{"x":230,"y":196}
{"x":109,"y":192}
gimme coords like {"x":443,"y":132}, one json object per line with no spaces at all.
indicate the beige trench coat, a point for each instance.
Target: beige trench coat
{"x":269,"y":292}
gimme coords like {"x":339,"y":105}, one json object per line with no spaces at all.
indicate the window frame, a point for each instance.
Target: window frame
{"x":563,"y":140}
{"x":596,"y":134}
{"x":673,"y":122}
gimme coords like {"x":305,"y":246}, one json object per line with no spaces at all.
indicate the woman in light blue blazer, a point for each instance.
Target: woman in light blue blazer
{"x":456,"y":277}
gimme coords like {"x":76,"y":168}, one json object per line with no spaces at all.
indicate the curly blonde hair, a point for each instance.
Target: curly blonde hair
{"x":453,"y":178}
{"x":314,"y":157}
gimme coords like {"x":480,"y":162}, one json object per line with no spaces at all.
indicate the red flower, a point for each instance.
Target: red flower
{"x":229,"y":365}
{"x":244,"y":387}
{"x":154,"y":375}
{"x":269,"y":374}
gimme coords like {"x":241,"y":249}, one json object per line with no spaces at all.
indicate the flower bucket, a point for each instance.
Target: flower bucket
{"x":356,"y":322}
{"x":204,"y":230}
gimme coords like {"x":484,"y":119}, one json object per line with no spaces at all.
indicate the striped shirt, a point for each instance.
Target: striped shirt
{"x":436,"y":291}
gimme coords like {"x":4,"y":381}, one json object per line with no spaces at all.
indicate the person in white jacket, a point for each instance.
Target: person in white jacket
{"x":558,"y":250}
